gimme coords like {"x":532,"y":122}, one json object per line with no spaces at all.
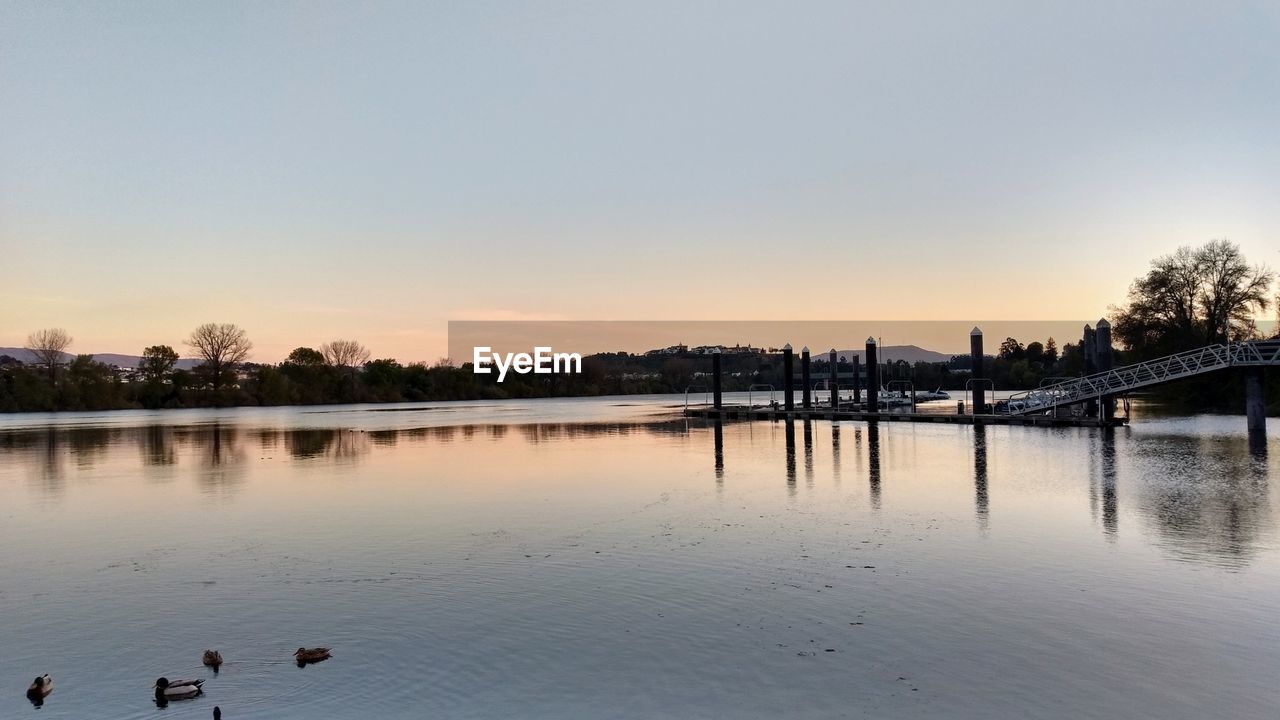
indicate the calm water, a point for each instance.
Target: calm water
{"x":604,"y":558}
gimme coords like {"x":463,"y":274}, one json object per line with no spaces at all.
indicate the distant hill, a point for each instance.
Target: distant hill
{"x":24,"y":355}
{"x":911,"y":353}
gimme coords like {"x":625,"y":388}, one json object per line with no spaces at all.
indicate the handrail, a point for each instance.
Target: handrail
{"x":1210,"y":358}
{"x":761,"y":386}
{"x":705,"y":391}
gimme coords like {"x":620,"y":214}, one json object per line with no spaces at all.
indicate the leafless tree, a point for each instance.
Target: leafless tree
{"x":221,"y":345}
{"x":49,"y":346}
{"x":345,"y":354}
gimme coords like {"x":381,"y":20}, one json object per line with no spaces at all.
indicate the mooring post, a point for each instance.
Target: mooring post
{"x":715,"y":378}
{"x":788,"y":367}
{"x":978,"y":372}
{"x":1102,"y":339}
{"x":873,"y":377}
{"x":1255,"y":400}
{"x":807,"y":390}
{"x":835,"y":380}
{"x":857,"y":379}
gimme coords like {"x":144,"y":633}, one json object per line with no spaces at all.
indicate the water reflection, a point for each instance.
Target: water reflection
{"x":1208,"y":499}
{"x":791,"y":453}
{"x":835,"y":451}
{"x":981,"y":499}
{"x":1202,"y":496}
{"x":719,"y":452}
{"x":873,"y":462}
{"x":808,"y":452}
{"x":222,"y":458}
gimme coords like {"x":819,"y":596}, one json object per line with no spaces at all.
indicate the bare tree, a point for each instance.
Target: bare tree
{"x":221,"y":345}
{"x":1192,"y":297}
{"x":48,"y":346}
{"x":345,"y":354}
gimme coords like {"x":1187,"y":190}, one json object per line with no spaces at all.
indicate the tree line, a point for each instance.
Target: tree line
{"x":1189,"y":298}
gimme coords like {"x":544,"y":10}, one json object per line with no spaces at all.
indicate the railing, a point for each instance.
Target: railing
{"x":694,"y":389}
{"x":753,"y":388}
{"x":1145,"y":374}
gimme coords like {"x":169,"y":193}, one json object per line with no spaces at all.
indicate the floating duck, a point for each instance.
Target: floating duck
{"x":40,"y":689}
{"x":167,"y":689}
{"x":213,"y":659}
{"x":217,"y":713}
{"x":311,"y":655}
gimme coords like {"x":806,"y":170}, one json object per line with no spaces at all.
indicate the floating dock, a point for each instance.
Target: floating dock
{"x":730,"y":412}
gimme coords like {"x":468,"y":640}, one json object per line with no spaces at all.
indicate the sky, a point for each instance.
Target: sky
{"x":313,"y":171}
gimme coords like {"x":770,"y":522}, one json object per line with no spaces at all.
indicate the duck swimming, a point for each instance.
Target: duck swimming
{"x":311,"y":655}
{"x":213,"y":659}
{"x":167,"y":690}
{"x":40,"y":689}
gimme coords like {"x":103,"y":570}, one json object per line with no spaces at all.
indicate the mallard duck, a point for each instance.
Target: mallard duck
{"x":213,"y":659}
{"x":311,"y":655}
{"x":167,"y":689}
{"x":217,"y":713}
{"x":40,"y":688}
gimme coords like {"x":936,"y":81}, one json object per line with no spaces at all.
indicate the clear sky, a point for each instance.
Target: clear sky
{"x":370,"y":170}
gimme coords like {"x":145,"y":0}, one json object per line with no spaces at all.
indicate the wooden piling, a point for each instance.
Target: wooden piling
{"x":978,"y":371}
{"x":1255,"y":400}
{"x":788,"y":367}
{"x":873,"y":376}
{"x":807,"y":390}
{"x":834,"y":385}
{"x":715,"y":378}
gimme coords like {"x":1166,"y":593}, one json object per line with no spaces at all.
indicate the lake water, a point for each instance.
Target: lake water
{"x":605,"y":558}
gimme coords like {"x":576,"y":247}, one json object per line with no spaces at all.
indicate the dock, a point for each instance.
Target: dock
{"x":730,"y":412}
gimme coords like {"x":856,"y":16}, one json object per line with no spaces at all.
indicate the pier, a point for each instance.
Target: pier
{"x":1086,"y":401}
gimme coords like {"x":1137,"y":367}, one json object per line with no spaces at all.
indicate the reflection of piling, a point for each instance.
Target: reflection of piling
{"x":1110,"y":502}
{"x":807,"y":390}
{"x":835,"y":380}
{"x":1255,"y":401}
{"x":1102,"y":339}
{"x":835,"y":451}
{"x":873,"y":377}
{"x":981,"y":499}
{"x":791,"y":451}
{"x":719,"y":434}
{"x":873,"y":445}
{"x":978,"y":371}
{"x":808,"y":451}
{"x":715,"y":379}
{"x":788,"y":367}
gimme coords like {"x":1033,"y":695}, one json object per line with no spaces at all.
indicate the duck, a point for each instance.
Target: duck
{"x":311,"y":655}
{"x":167,"y":689}
{"x":213,"y":659}
{"x":40,"y":689}
{"x":217,"y":713}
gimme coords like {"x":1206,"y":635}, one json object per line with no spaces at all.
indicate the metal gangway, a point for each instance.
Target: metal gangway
{"x":1118,"y":381}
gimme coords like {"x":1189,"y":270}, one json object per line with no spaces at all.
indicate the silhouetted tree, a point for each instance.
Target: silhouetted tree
{"x":49,"y":346}
{"x":1193,"y":297}
{"x":222,"y":346}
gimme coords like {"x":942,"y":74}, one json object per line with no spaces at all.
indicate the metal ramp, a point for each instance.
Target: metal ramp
{"x":1118,"y":381}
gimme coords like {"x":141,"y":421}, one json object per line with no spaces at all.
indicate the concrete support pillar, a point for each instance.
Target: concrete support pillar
{"x":788,"y":384}
{"x":978,"y":361}
{"x":835,"y":379}
{"x":1089,"y":350}
{"x":807,"y":391}
{"x":1255,"y":400}
{"x":1102,"y":341}
{"x":715,"y":378}
{"x":873,"y":377}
